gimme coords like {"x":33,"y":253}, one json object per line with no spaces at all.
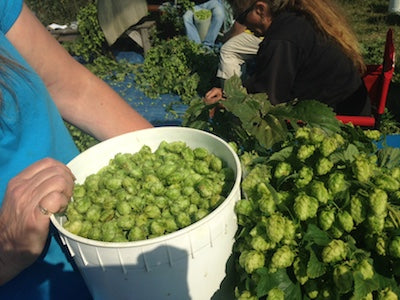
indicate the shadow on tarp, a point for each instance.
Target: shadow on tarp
{"x":166,"y":110}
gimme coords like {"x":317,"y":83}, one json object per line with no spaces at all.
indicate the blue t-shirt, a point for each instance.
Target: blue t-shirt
{"x":31,"y":128}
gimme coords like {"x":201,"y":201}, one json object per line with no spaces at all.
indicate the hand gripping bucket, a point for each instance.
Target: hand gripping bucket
{"x":192,"y":263}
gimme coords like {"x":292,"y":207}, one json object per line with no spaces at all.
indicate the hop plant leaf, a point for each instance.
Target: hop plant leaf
{"x":269,"y":124}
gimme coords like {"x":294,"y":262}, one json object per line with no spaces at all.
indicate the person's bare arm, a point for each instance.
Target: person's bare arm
{"x":83,"y":99}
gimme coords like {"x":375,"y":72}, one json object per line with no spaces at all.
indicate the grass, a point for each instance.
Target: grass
{"x":370,"y":20}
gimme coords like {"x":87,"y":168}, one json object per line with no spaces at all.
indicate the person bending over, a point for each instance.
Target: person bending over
{"x":237,"y":53}
{"x":308,"y":52}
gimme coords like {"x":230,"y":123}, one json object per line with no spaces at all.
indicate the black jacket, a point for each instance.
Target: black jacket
{"x":296,"y":61}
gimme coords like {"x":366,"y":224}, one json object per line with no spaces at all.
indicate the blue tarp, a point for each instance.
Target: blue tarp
{"x":166,"y":110}
{"x":392,"y":140}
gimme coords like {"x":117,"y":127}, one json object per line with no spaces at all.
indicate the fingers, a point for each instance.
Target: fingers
{"x":213,"y":96}
{"x":51,"y":180}
{"x":44,"y":164}
{"x":51,"y":204}
{"x":44,"y":211}
{"x":43,"y":188}
{"x":52,"y":190}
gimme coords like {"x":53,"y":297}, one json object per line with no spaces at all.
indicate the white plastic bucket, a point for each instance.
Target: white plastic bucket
{"x":394,"y":6}
{"x":191,"y":263}
{"x":202,"y":26}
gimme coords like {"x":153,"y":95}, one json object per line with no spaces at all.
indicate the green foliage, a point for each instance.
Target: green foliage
{"x":335,"y":256}
{"x":91,"y":42}
{"x":92,"y":48}
{"x":370,"y":20}
{"x":177,"y":66}
{"x":171,"y":21}
{"x":81,"y":139}
{"x":61,"y":11}
{"x":388,"y":123}
{"x":252,"y":121}
{"x":373,"y":51}
{"x":106,"y":67}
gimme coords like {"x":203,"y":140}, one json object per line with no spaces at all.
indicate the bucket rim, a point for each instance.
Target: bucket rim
{"x":170,"y":236}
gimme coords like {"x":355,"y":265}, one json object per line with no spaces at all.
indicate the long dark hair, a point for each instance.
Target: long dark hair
{"x":326,"y":15}
{"x":7,"y":65}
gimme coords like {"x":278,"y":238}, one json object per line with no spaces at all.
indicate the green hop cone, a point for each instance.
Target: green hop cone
{"x":380,"y":245}
{"x":303,"y":134}
{"x":275,"y":227}
{"x":366,"y":269}
{"x":290,"y":232}
{"x":282,"y":258}
{"x":373,"y":134}
{"x":251,"y":260}
{"x":305,"y":207}
{"x":387,"y":294}
{"x":305,"y":151}
{"x":358,"y":209}
{"x":345,"y":221}
{"x":203,"y":14}
{"x":305,"y":176}
{"x":337,"y":183}
{"x":319,"y":191}
{"x":276,"y":294}
{"x":282,"y":170}
{"x":244,"y":207}
{"x":362,"y":168}
{"x":386,"y":182}
{"x":246,"y":295}
{"x":326,"y":218}
{"x":260,"y":244}
{"x":330,"y":144}
{"x":376,"y":224}
{"x":336,"y":231}
{"x":317,"y":135}
{"x":378,"y":202}
{"x":395,"y":173}
{"x":334,"y":252}
{"x":266,"y":204}
{"x":323,"y":166}
{"x":394,"y":247}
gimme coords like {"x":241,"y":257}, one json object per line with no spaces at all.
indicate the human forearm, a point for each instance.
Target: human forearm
{"x":96,"y":108}
{"x":82,"y":98}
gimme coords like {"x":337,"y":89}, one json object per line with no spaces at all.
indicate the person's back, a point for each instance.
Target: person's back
{"x":296,"y":61}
